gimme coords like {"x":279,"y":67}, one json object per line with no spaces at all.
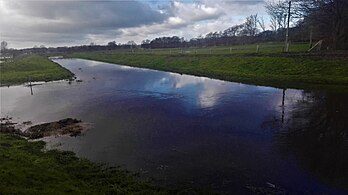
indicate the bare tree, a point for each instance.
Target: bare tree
{"x":329,"y":19}
{"x":274,"y":23}
{"x":250,"y":26}
{"x":261,"y":23}
{"x":278,"y":12}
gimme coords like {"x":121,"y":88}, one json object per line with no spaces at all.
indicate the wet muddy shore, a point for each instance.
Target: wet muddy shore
{"x":67,"y":126}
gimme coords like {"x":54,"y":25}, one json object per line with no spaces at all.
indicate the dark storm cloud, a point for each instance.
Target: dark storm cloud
{"x":77,"y":16}
{"x":57,"y":21}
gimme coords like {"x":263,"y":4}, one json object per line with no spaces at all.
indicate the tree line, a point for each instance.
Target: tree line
{"x":325,"y":20}
{"x":311,"y":20}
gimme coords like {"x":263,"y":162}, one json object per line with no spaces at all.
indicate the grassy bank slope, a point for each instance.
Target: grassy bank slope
{"x":39,"y":68}
{"x":279,"y":70}
{"x":26,"y":169}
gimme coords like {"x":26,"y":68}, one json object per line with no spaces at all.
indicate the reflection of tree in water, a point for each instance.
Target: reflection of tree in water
{"x":317,"y":134}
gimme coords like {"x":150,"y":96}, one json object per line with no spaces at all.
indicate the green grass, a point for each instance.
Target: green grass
{"x":235,"y":49}
{"x":295,"y":70}
{"x":39,"y":68}
{"x":26,"y":169}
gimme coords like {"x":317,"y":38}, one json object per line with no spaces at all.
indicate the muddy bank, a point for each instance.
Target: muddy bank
{"x":7,"y":126}
{"x":68,"y":126}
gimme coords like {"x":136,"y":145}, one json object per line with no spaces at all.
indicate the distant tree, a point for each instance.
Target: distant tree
{"x":278,"y":13}
{"x":233,"y":31}
{"x":112,"y":43}
{"x":3,"y":45}
{"x":250,"y":26}
{"x":147,"y":41}
{"x":328,"y":19}
{"x":131,"y":43}
{"x":261,"y":23}
{"x":274,"y":23}
{"x":167,"y":42}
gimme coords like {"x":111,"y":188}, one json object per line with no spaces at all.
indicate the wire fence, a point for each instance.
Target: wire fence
{"x":240,"y":49}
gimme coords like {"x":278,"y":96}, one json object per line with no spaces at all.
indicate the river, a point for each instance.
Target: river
{"x":187,"y":131}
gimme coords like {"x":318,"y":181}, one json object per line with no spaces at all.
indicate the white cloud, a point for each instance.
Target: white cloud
{"x":192,"y":19}
{"x":192,"y":12}
{"x":56,"y":23}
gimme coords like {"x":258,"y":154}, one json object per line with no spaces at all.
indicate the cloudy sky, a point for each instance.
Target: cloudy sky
{"x":25,"y":23}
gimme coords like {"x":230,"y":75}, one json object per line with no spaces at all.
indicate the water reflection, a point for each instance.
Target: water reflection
{"x":177,"y":129}
{"x":317,"y":135}
{"x":31,"y":90}
{"x":283,"y":106}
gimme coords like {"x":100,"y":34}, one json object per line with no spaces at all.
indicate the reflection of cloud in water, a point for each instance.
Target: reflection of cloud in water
{"x":200,"y":92}
{"x":208,"y":91}
{"x":93,"y":63}
{"x":210,"y":95}
{"x":181,"y":81}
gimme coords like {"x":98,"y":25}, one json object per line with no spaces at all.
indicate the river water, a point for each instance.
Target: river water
{"x":194,"y":132}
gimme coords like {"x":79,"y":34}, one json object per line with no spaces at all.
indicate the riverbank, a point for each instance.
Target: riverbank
{"x":28,"y":169}
{"x":293,"y":70}
{"x":31,"y":67}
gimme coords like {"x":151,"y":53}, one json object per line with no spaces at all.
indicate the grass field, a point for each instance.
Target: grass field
{"x":270,"y":67}
{"x":236,"y":49}
{"x":26,"y":169}
{"x":38,"y":68}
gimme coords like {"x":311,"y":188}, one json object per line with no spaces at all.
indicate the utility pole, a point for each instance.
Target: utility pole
{"x":287,"y":30}
{"x":310,"y":37}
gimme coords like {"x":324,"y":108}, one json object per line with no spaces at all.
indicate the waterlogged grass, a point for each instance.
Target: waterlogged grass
{"x":295,"y":70}
{"x":26,"y":169}
{"x":39,"y":68}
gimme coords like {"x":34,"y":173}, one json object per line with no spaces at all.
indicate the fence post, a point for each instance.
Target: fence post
{"x":310,"y":37}
{"x":257,"y":48}
{"x":287,"y":46}
{"x":320,"y":43}
{"x":30,"y":85}
{"x":230,"y":50}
